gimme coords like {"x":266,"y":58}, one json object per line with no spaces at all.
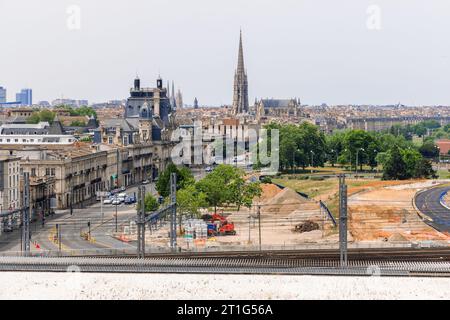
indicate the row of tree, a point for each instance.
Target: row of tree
{"x":305,"y":145}
{"x":46,"y":115}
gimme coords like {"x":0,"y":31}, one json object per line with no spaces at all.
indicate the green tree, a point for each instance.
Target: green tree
{"x":41,"y":116}
{"x":424,"y":169}
{"x":151,"y":204}
{"x":429,"y":149}
{"x":184,"y":178}
{"x":77,"y":123}
{"x":395,"y":168}
{"x":189,"y":202}
{"x":220,"y":185}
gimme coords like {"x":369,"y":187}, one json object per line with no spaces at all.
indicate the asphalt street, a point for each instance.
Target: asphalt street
{"x":428,"y":202}
{"x":72,"y":227}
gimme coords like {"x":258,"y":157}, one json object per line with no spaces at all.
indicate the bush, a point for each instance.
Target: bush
{"x":314,"y":178}
{"x":266,"y":180}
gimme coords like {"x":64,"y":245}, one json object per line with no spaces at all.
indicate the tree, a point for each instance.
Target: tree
{"x":424,"y":169}
{"x":361,"y":144}
{"x":189,"y":201}
{"x":41,"y":116}
{"x":411,"y":158}
{"x":78,"y":123}
{"x":395,"y":168}
{"x":151,"y":204}
{"x":220,"y":185}
{"x":184,"y":178}
{"x":429,"y":149}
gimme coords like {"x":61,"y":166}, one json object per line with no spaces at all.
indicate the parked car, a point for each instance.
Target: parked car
{"x":208,"y":169}
{"x":8,"y":229}
{"x":130,"y":200}
{"x":108,"y":201}
{"x":116,"y":201}
{"x":145,"y":182}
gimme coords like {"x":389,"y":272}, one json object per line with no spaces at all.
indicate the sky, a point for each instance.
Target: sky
{"x":322,"y":51}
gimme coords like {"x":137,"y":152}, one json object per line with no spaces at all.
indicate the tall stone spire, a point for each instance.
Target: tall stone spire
{"x":240,"y":96}
{"x":241,"y":67}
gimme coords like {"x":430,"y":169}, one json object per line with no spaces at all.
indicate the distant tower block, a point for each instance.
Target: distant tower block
{"x":195,"y":103}
{"x":240,"y":96}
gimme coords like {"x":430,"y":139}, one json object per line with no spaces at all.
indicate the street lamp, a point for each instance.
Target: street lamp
{"x":312,"y":161}
{"x":336,"y":152}
{"x":357,"y":154}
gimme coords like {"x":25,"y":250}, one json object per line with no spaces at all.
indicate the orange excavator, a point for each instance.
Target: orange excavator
{"x":218,"y":225}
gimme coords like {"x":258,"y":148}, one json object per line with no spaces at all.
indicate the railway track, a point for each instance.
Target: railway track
{"x":402,"y":254}
{"x":412,"y":262}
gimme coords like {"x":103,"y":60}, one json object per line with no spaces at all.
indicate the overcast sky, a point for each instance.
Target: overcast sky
{"x":323,"y":51}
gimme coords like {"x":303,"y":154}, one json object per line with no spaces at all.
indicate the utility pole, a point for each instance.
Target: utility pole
{"x":58,"y":236}
{"x":117,"y":167}
{"x":71,"y":195}
{"x":343,"y":221}
{"x":26,"y":214}
{"x":116,"y":205}
{"x":141,"y":224}
{"x":173,"y":220}
{"x":259,"y":222}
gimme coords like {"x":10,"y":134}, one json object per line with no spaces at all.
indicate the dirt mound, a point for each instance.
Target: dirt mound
{"x":268,"y":192}
{"x":284,"y":202}
{"x":306,"y":227}
{"x":397,"y":237}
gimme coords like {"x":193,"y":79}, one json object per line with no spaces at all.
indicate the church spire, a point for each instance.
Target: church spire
{"x":240,"y":67}
{"x":240,"y":96}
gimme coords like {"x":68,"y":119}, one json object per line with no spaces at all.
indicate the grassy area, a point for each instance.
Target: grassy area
{"x":326,"y":190}
{"x":443,"y":174}
{"x":312,"y":188}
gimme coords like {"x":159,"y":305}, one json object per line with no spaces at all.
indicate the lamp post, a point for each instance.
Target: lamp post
{"x":312,"y":161}
{"x":439,"y":158}
{"x":357,"y":155}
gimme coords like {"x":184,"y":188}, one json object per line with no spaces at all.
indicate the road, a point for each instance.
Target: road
{"x":428,"y":202}
{"x":73,"y":226}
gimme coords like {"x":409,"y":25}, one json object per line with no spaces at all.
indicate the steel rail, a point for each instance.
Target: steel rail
{"x":226,"y":266}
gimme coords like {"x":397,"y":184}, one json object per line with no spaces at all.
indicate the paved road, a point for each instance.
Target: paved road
{"x":428,"y":202}
{"x":72,"y":226}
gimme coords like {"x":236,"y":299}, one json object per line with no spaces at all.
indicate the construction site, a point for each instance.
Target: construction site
{"x":380,"y":214}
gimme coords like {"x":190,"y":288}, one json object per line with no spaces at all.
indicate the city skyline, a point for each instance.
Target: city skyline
{"x":305,"y":51}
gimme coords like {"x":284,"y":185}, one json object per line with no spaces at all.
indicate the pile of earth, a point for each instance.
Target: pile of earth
{"x":306,"y":227}
{"x":284,"y":202}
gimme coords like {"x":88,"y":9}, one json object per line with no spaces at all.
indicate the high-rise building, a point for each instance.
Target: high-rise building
{"x":2,"y":95}
{"x":240,"y":96}
{"x":25,"y":97}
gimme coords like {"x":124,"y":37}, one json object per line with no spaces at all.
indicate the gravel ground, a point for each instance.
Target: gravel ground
{"x":199,"y":287}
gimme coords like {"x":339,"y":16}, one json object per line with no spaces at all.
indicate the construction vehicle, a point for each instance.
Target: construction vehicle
{"x":218,"y":225}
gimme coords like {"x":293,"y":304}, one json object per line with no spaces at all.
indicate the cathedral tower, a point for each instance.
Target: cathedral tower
{"x":240,"y":96}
